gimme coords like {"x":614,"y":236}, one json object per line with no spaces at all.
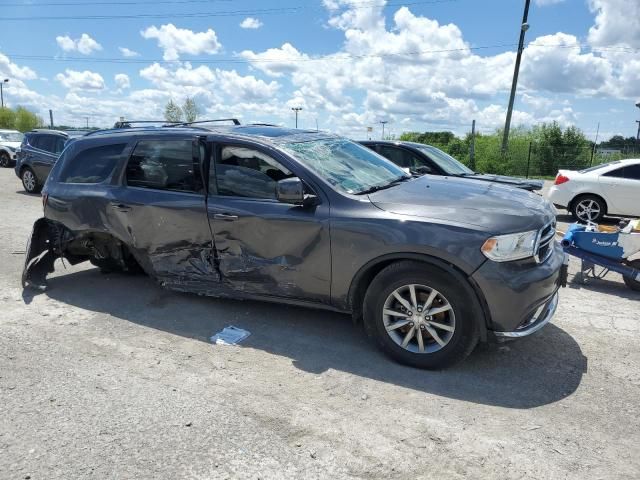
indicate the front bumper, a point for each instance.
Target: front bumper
{"x":517,"y":294}
{"x":540,"y":318}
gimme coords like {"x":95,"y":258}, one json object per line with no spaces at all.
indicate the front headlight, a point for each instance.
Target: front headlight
{"x":515,"y":246}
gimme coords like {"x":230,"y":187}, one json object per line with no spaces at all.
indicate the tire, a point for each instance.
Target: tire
{"x":453,"y":345}
{"x":632,"y":283}
{"x":30,"y":182}
{"x":588,"y":208}
{"x":5,"y":160}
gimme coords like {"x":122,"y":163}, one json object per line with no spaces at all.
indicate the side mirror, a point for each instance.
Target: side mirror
{"x":290,"y":190}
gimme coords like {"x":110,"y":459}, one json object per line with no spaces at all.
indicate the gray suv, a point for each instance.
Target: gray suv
{"x":431,"y":264}
{"x":38,"y":154}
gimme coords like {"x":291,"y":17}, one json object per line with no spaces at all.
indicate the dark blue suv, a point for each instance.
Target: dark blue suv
{"x":38,"y":154}
{"x":432,"y":264}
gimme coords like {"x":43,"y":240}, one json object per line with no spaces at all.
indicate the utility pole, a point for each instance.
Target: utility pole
{"x":87,"y":119}
{"x":638,"y":122}
{"x":6,"y":80}
{"x":51,"y":117}
{"x":383,"y":122}
{"x":524,"y":26}
{"x":296,"y":109}
{"x":595,"y":145}
{"x":472,"y":146}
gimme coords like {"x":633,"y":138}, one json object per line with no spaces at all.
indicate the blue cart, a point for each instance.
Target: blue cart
{"x":607,"y":247}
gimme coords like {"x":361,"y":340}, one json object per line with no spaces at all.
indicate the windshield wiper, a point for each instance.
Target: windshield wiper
{"x":392,"y":183}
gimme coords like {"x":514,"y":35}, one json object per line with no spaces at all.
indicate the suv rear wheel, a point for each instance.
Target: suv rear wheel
{"x":420,"y":315}
{"x":30,"y":181}
{"x":5,"y":159}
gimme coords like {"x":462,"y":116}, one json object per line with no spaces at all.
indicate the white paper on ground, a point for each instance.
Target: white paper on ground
{"x":230,"y":336}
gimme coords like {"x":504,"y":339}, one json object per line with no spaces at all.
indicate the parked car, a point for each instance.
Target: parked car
{"x":433,"y":264}
{"x":590,"y":194}
{"x":419,"y":158}
{"x":9,"y":142}
{"x":38,"y":154}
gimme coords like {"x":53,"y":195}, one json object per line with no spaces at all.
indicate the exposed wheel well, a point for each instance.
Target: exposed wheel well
{"x":363,"y":279}
{"x":582,"y":195}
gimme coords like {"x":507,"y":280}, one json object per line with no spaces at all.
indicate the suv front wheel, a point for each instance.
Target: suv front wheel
{"x":5,"y":160}
{"x":30,"y":181}
{"x":420,"y":315}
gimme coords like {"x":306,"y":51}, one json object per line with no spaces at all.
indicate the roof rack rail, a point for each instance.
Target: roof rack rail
{"x":261,"y":124}
{"x":182,"y":124}
{"x":129,"y":123}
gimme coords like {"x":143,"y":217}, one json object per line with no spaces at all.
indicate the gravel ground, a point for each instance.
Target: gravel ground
{"x":112,"y":377}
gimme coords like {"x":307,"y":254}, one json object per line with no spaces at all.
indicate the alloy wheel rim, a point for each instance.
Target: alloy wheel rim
{"x":419,"y":318}
{"x":587,"y":210}
{"x":4,"y":160}
{"x":29,"y":180}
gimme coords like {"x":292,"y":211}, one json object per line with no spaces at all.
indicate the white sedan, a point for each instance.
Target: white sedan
{"x":608,"y":189}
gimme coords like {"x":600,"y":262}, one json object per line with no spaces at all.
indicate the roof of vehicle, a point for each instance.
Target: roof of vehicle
{"x":266,"y":133}
{"x":396,"y":142}
{"x":63,"y":133}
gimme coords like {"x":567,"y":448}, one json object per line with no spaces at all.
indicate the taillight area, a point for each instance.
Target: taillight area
{"x":560,"y":179}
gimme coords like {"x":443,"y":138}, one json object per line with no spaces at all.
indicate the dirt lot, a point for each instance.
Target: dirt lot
{"x":110,"y":376}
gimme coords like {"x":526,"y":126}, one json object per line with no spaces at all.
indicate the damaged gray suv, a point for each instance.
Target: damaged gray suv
{"x":431,"y":264}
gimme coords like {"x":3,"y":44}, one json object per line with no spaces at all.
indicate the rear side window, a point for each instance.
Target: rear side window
{"x":399,"y":156}
{"x":618,"y":173}
{"x":632,"y":172}
{"x":47,"y":143}
{"x":93,"y":165}
{"x":163,"y":165}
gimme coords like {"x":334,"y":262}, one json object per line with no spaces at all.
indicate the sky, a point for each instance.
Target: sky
{"x":350,"y":64}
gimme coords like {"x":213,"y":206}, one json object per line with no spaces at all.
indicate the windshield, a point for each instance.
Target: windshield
{"x":11,"y":137}
{"x":446,"y":162}
{"x":346,"y":165}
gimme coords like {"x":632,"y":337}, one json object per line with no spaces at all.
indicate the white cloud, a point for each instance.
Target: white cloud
{"x":247,"y":88}
{"x":127,"y":52}
{"x":251,"y":23}
{"x":86,"y":80}
{"x":122,"y":80}
{"x":12,"y":70}
{"x":175,"y":41}
{"x":85,"y":44}
{"x":617,"y":23}
{"x":556,"y":63}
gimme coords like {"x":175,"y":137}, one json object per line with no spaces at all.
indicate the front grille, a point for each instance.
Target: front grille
{"x":544,"y":244}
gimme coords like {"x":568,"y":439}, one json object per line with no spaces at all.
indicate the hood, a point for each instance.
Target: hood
{"x":12,"y":145}
{"x":489,"y":206}
{"x":524,"y":183}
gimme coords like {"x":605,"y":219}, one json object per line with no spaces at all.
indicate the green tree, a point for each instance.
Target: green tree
{"x":172,"y":112}
{"x":190,"y":110}
{"x":26,"y":120}
{"x":7,"y":118}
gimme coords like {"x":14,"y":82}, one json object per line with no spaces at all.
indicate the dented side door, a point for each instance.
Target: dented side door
{"x":269,"y":248}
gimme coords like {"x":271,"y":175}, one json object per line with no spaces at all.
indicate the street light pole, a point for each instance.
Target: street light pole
{"x":383,"y":122}
{"x":296,"y":109}
{"x":6,"y":80}
{"x":638,"y":122}
{"x":523,"y":28}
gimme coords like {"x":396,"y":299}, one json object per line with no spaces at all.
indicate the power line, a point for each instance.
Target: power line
{"x":125,"y":2}
{"x":335,"y":57}
{"x":228,"y":13}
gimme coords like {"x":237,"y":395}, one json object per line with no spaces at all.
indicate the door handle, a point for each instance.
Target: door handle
{"x":225,"y":216}
{"x":121,"y":206}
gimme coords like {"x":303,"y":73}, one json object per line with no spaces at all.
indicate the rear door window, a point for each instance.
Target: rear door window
{"x":93,"y":165}
{"x":163,"y":165}
{"x":399,"y":156}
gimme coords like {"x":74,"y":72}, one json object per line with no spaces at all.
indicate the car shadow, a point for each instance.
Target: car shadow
{"x":531,"y":372}
{"x":27,"y":194}
{"x":604,"y":285}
